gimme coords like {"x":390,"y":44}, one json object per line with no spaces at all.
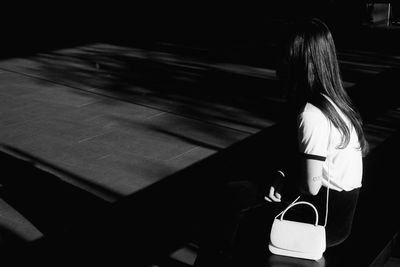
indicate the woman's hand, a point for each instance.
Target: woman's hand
{"x":274,"y":192}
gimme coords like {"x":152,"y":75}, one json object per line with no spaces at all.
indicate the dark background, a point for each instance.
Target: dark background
{"x":32,"y":27}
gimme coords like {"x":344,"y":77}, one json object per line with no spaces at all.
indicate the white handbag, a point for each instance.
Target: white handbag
{"x":298,"y":239}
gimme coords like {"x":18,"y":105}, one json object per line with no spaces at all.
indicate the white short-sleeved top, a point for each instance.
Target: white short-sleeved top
{"x":319,"y":139}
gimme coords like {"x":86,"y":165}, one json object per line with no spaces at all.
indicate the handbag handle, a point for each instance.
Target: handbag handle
{"x":298,"y":203}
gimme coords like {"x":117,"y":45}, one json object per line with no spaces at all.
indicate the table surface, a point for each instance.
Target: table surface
{"x":110,"y":115}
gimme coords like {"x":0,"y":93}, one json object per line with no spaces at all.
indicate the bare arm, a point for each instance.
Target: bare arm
{"x":310,"y":180}
{"x":311,"y":176}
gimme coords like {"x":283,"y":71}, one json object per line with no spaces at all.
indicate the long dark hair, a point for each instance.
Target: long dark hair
{"x":310,"y":69}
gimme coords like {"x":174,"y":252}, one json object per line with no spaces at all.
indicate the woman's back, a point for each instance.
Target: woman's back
{"x":319,"y":137}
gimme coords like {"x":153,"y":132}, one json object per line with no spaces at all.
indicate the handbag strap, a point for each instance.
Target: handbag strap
{"x":327,"y":196}
{"x":329,"y":183}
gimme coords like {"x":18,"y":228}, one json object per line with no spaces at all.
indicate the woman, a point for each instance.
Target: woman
{"x":330,"y":140}
{"x":330,"y":135}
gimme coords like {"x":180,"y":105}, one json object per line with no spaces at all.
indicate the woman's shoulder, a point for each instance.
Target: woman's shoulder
{"x":311,"y":112}
{"x":311,"y":119}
